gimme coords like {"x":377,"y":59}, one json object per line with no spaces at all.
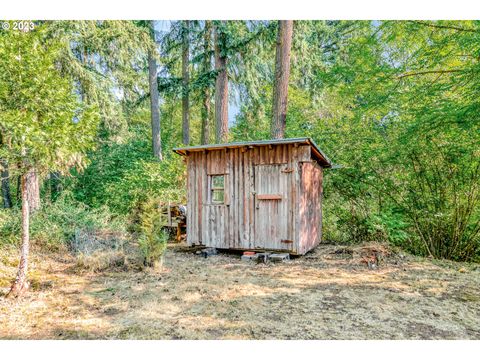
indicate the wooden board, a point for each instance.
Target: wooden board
{"x":271,"y":214}
{"x":310,"y":213}
{"x":270,"y":197}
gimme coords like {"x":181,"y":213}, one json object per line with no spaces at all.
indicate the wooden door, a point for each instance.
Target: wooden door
{"x":271,"y":207}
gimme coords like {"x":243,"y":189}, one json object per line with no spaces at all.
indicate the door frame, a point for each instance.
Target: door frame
{"x":278,"y":200}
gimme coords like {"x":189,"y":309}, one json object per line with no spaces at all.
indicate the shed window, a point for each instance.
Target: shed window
{"x":217,"y":188}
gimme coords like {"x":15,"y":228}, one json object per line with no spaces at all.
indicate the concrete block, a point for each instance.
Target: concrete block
{"x":279,"y":257}
{"x":249,"y":257}
{"x":263,"y":257}
{"x":208,"y":252}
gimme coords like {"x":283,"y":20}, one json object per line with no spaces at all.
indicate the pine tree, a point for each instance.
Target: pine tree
{"x":221,"y":85}
{"x":282,"y":73}
{"x":154,"y":106}
{"x":185,"y":82}
{"x":206,"y":92}
{"x":45,"y":127}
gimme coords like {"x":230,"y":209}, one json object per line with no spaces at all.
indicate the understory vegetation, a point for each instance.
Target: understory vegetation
{"x":394,"y":105}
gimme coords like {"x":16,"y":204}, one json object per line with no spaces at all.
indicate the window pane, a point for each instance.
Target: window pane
{"x":218,"y":196}
{"x":218,"y":181}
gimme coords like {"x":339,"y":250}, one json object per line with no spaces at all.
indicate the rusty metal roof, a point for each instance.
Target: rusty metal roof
{"x":317,"y":153}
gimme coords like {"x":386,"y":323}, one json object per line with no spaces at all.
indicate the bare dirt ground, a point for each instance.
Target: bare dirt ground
{"x":327,"y":294}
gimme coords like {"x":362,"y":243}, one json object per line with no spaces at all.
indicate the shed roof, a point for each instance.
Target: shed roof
{"x":317,"y":153}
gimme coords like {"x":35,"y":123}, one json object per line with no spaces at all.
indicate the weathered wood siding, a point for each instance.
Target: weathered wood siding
{"x":310,"y":206}
{"x":244,"y":221}
{"x":273,"y":185}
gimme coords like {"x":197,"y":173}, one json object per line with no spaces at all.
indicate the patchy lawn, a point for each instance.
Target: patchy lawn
{"x":327,"y":294}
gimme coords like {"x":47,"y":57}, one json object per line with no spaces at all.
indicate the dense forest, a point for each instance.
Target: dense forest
{"x":90,"y":110}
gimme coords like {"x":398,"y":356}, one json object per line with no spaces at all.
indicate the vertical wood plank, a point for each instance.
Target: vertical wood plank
{"x":230,"y":210}
{"x":189,"y":203}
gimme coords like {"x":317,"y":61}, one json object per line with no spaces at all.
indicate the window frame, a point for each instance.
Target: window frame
{"x":216,"y":189}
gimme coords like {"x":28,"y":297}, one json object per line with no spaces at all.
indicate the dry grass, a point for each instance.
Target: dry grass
{"x":328,"y":294}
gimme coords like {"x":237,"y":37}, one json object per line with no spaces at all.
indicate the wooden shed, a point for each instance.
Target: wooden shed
{"x":255,"y":195}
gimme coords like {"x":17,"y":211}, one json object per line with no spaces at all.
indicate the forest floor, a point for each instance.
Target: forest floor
{"x":328,"y":294}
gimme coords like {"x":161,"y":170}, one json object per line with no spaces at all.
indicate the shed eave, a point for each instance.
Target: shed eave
{"x":316,"y":151}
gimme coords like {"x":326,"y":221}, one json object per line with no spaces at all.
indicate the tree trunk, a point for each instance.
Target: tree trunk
{"x":221,"y":88}
{"x":207,"y":96}
{"x":282,"y":72}
{"x":185,"y":82}
{"x":33,"y":190}
{"x":55,"y":185}
{"x":5,"y":175}
{"x":20,"y":286}
{"x":19,"y":190}
{"x":155,"y":113}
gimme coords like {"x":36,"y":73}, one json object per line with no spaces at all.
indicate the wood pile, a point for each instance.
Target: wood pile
{"x":174,"y":216}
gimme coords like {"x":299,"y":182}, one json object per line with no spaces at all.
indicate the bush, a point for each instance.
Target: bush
{"x":417,"y":192}
{"x":55,"y":224}
{"x":124,"y":174}
{"x":152,"y":237}
{"x":348,"y":221}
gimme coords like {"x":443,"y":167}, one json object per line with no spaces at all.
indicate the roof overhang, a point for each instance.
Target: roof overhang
{"x":317,"y":153}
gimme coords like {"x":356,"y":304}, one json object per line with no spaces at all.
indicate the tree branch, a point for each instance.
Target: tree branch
{"x":424,"y":72}
{"x":450,"y":27}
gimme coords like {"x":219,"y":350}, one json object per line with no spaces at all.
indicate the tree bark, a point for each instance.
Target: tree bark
{"x":55,"y":185}
{"x":207,"y":96}
{"x":33,"y":190}
{"x":221,"y":88}
{"x":155,"y":113}
{"x":185,"y":82}
{"x":5,"y":175}
{"x":21,"y":284}
{"x":19,"y":190}
{"x":282,"y":73}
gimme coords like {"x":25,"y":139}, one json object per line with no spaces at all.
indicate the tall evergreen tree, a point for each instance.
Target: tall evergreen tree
{"x":206,"y":92}
{"x":44,"y":125}
{"x":221,"y":84}
{"x":185,"y":82}
{"x":154,"y":105}
{"x":282,"y":73}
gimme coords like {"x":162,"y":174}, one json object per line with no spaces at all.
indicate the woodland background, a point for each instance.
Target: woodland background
{"x":90,"y":110}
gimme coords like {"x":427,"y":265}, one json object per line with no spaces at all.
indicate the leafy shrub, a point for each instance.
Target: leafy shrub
{"x":353,"y":222}
{"x":54,"y":225}
{"x":441,"y":197}
{"x":123,"y":175}
{"x":419,"y":192}
{"x":152,"y":237}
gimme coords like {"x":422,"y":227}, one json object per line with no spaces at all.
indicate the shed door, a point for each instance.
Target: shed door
{"x":271,"y":207}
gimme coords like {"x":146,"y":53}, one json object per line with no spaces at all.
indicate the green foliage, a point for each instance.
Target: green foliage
{"x":409,"y":148}
{"x":42,"y":122}
{"x":108,"y":61}
{"x":152,"y":237}
{"x":395,"y":103}
{"x":355,"y":222}
{"x":123,"y":175}
{"x":54,"y":225}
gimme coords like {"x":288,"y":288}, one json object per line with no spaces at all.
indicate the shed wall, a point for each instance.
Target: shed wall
{"x":310,"y":213}
{"x":235,"y":225}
